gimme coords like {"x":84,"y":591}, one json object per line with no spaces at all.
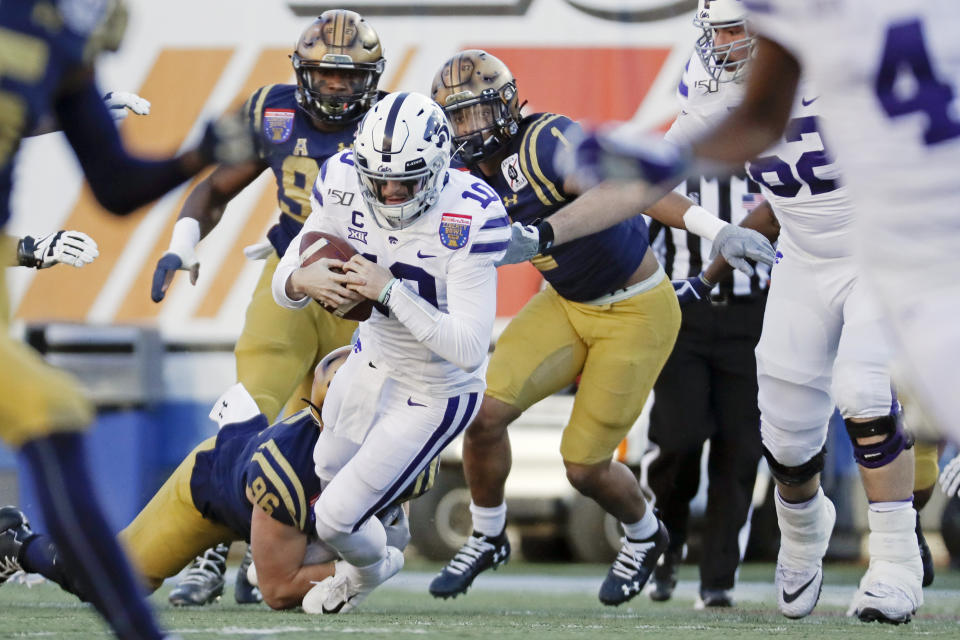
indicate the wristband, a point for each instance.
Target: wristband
{"x":546,"y":235}
{"x":703,"y":223}
{"x":705,"y":280}
{"x":384,"y":296}
{"x":25,"y":250}
{"x":185,"y":237}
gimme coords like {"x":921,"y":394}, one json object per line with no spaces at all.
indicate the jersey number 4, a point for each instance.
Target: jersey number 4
{"x":905,"y":52}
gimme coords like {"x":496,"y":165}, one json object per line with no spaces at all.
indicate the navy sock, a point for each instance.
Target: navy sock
{"x":40,"y":555}
{"x":89,"y":554}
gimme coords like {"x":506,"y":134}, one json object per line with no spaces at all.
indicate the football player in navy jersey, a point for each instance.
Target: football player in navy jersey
{"x":49,"y":49}
{"x":338,"y":62}
{"x":249,"y":482}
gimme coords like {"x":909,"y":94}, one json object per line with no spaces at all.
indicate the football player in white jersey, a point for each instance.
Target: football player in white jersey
{"x":823,"y":341}
{"x":428,"y":237}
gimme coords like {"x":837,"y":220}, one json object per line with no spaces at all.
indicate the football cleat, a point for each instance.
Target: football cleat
{"x":632,"y":567}
{"x":243,"y":591}
{"x":348,"y":587}
{"x":478,"y":554}
{"x":883,"y":601}
{"x":799,"y":575}
{"x":710,"y":598}
{"x":14,"y":531}
{"x":203,"y":582}
{"x":925,"y":556}
{"x":665,"y":575}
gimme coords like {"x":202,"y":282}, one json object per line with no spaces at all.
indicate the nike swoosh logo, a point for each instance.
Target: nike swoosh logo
{"x":337,"y":608}
{"x":414,"y":404}
{"x":807,"y":103}
{"x":790,"y":597}
{"x":423,"y":255}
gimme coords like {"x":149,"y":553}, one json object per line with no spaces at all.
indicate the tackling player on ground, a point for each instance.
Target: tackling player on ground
{"x":49,"y":49}
{"x":338,"y":62}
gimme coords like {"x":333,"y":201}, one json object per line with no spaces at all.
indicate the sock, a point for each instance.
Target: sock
{"x":803,"y":538}
{"x":897,"y":505}
{"x":643,"y":528}
{"x":893,"y":546}
{"x":86,"y":547}
{"x":490,"y":521}
{"x":39,"y":555}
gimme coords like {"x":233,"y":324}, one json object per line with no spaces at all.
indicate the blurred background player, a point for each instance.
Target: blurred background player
{"x":609,"y":316}
{"x":414,"y":380}
{"x":249,"y":482}
{"x":338,"y":62}
{"x":49,"y":68}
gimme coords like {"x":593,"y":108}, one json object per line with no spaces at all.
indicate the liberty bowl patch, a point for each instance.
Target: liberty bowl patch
{"x":278,"y":124}
{"x":454,"y":230}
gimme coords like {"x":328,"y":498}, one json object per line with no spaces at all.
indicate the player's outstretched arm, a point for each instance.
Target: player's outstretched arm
{"x":278,"y":555}
{"x":121,"y":182}
{"x":762,"y":220}
{"x":201,"y":212}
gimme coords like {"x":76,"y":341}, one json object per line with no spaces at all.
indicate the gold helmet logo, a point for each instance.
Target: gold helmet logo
{"x":338,"y":61}
{"x":479,"y":95}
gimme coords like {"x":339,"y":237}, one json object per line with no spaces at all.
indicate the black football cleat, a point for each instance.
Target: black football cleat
{"x":925,"y":556}
{"x":14,"y":531}
{"x":633,"y":567}
{"x":478,"y":554}
{"x":710,"y":598}
{"x":665,"y":575}
{"x":203,"y":582}
{"x":243,"y":591}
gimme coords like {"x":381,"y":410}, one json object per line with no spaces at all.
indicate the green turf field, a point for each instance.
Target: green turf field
{"x":530,"y":601}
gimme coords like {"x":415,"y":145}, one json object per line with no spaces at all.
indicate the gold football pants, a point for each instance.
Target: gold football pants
{"x":617,"y":350}
{"x":36,"y":399}
{"x":169,"y":532}
{"x":279,"y":347}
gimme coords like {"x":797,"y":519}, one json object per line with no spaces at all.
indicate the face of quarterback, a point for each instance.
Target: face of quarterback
{"x":397,"y":191}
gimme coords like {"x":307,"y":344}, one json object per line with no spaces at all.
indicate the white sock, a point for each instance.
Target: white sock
{"x":802,"y":529}
{"x":490,"y":521}
{"x":643,"y":528}
{"x":884,"y":507}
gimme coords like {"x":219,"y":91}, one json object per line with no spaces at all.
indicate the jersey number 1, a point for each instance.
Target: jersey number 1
{"x":905,"y":51}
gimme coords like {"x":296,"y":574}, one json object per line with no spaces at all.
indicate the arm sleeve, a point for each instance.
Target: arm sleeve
{"x":290,"y":261}
{"x":462,"y":334}
{"x":119,"y":181}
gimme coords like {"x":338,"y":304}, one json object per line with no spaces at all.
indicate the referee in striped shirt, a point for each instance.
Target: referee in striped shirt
{"x":708,"y":391}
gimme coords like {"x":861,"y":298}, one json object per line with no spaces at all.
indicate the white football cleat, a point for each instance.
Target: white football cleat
{"x":799,"y":575}
{"x":347,"y":588}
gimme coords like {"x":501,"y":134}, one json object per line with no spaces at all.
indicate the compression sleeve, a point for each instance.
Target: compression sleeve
{"x":462,"y":335}
{"x":119,"y":181}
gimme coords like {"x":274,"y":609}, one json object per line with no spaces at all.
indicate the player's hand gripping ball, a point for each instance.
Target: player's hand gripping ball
{"x":315,"y":245}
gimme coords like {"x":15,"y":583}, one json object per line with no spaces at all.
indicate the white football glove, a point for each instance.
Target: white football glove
{"x":950,"y":478}
{"x":119,"y":101}
{"x":69,"y":247}
{"x":737,"y":244}
{"x":258,"y":251}
{"x":524,"y":244}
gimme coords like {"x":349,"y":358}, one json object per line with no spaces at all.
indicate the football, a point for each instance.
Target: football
{"x":315,"y":245}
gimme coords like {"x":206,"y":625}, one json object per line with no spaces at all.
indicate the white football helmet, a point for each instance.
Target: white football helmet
{"x":404,"y":140}
{"x":725,"y":62}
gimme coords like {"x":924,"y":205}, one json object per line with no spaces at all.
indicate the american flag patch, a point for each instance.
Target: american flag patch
{"x":752,"y":200}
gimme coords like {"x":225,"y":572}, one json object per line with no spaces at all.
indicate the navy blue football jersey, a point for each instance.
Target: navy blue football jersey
{"x":275,"y":464}
{"x":295,"y":150}
{"x":40,"y":43}
{"x":532,"y":190}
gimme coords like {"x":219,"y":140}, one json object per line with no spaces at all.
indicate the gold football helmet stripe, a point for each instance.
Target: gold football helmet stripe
{"x":294,"y":480}
{"x":540,"y":183}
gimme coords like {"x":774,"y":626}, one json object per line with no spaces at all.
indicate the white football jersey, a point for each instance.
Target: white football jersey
{"x":452,"y":244}
{"x":797,"y":174}
{"x":888,"y":75}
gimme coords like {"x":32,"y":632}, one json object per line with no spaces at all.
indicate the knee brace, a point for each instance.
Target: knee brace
{"x":798,"y":475}
{"x":878,"y":454}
